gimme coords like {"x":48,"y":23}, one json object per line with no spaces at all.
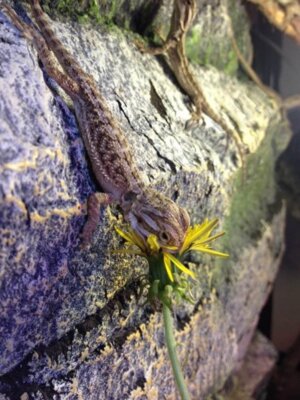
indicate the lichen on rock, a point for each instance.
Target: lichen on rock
{"x":70,"y":321}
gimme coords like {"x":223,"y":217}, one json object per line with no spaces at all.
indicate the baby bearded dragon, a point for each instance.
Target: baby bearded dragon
{"x":147,"y":210}
{"x":184,"y":12}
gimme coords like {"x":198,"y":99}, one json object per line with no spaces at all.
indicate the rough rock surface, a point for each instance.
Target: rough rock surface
{"x":250,"y":381}
{"x":208,"y":41}
{"x":70,"y":325}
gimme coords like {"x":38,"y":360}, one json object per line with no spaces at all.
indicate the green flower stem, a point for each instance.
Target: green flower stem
{"x":171,"y":345}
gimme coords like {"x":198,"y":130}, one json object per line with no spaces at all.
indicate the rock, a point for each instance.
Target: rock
{"x":250,"y":381}
{"x":70,"y":324}
{"x":208,"y":41}
{"x":288,"y":175}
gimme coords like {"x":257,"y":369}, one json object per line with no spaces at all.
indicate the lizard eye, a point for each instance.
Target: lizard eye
{"x":164,"y":236}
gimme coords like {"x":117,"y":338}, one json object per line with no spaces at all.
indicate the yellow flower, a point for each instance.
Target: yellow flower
{"x":198,"y":238}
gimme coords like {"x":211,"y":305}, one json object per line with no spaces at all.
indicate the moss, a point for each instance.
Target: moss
{"x":254,"y":195}
{"x":208,"y":42}
{"x":254,"y":202}
{"x":210,"y":50}
{"x":241,"y":27}
{"x":232,"y":65}
{"x":192,"y":44}
{"x":99,"y":11}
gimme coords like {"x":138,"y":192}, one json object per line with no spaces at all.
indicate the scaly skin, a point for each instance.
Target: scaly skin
{"x":147,"y":210}
{"x":184,"y":12}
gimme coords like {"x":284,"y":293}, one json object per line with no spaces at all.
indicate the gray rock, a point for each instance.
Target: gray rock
{"x":70,"y":324}
{"x":250,"y":381}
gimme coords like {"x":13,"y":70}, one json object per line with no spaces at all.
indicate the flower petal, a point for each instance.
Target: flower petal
{"x":197,"y":231}
{"x":210,"y":239}
{"x":132,"y":239}
{"x":172,"y":248}
{"x":139,"y":240}
{"x":167,"y":263}
{"x":180,"y":266}
{"x":204,"y":249}
{"x":125,"y":235}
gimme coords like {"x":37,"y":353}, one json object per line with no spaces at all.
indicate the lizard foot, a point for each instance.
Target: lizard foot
{"x":140,"y":46}
{"x":195,"y":120}
{"x":94,"y":202}
{"x":144,"y":49}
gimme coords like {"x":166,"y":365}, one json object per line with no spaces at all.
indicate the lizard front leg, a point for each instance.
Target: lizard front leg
{"x":167,"y":44}
{"x":94,"y":203}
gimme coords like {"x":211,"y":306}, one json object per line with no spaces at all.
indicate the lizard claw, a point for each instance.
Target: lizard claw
{"x":194,"y":121}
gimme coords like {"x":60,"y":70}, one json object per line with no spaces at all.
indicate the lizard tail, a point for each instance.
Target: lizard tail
{"x":64,"y":57}
{"x":27,"y":31}
{"x":44,"y":53}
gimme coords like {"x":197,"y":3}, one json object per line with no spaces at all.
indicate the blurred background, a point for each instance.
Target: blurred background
{"x":277,"y":62}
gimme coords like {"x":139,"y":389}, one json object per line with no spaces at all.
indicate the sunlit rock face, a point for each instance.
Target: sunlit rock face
{"x":70,"y":316}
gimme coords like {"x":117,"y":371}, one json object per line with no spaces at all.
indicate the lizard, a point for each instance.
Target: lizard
{"x":183,"y":15}
{"x":147,"y":210}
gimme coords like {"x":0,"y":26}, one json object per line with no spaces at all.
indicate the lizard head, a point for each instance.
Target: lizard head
{"x":150,"y":212}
